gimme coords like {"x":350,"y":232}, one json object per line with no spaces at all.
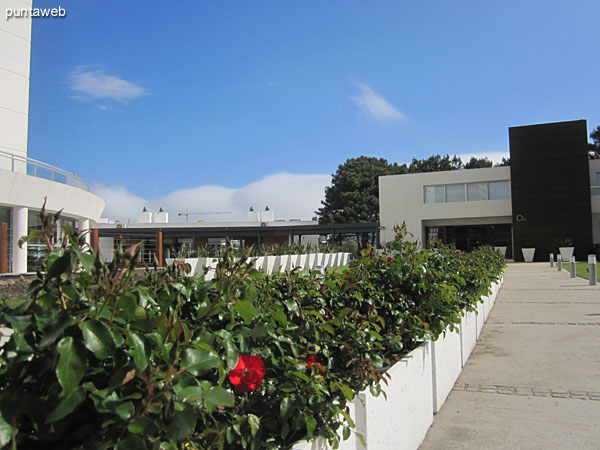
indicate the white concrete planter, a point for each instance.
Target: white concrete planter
{"x":402,"y":421}
{"x":282,"y":263}
{"x":303,"y":261}
{"x":528,"y":254}
{"x":501,"y":250}
{"x":193,"y":262}
{"x":318,"y":260}
{"x":468,"y":335}
{"x":259,"y":263}
{"x":346,"y":259}
{"x":480,"y":319}
{"x":326,"y":260}
{"x":311,"y":261}
{"x":294,"y":261}
{"x":269,"y":264}
{"x":566,"y":253}
{"x":333,"y":262}
{"x":446,"y":357}
{"x":210,"y":267}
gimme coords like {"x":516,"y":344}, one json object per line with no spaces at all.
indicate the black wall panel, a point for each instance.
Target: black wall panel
{"x":550,"y":187}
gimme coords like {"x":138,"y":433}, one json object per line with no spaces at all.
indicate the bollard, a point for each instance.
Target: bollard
{"x":592,"y":269}
{"x":559,"y":262}
{"x":551,"y":259}
{"x":572,"y":267}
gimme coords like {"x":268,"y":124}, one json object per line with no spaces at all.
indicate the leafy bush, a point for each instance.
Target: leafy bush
{"x":100,"y":358}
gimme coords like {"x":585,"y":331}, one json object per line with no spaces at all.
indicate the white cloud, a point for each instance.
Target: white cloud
{"x":289,"y":196}
{"x":97,"y":84}
{"x":374,"y":105}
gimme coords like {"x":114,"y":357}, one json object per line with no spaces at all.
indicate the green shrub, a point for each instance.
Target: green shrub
{"x":101,"y":359}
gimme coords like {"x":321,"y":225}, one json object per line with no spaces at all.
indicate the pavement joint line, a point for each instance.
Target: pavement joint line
{"x":527,"y":391}
{"x":529,"y":322}
{"x":553,"y":303}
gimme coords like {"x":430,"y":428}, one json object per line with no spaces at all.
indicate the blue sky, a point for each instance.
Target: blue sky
{"x":219,"y":105}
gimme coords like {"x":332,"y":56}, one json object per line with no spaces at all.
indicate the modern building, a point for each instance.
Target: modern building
{"x":549,"y":193}
{"x":25,"y":182}
{"x":163,"y":239}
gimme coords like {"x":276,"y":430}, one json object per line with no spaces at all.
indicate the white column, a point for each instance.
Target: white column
{"x":84,"y":227}
{"x":19,"y":229}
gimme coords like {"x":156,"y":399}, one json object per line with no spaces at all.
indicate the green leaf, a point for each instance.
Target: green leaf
{"x":219,"y":396}
{"x":61,"y":265}
{"x":346,"y":391}
{"x":311,"y":423}
{"x":184,"y":422}
{"x":198,"y":362}
{"x":286,"y":407}
{"x":66,"y":405}
{"x":5,"y":432}
{"x":138,"y":350}
{"x":245,"y":309}
{"x":132,"y":442}
{"x":97,"y":338}
{"x":193,"y":393}
{"x":71,"y":365}
{"x":254,"y":422}
{"x":86,"y":260}
{"x":140,"y":425}
{"x":125,"y":410}
{"x":232,"y":354}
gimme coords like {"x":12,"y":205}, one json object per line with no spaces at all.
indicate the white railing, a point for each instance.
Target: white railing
{"x":38,"y":169}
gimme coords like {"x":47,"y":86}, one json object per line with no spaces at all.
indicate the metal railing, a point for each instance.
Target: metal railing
{"x":38,"y":169}
{"x":595,"y":190}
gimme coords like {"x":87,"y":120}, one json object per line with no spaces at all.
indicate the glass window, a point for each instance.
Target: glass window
{"x":498,"y":190}
{"x":434,"y":194}
{"x":597,"y":178}
{"x":455,"y":192}
{"x":477,"y":191}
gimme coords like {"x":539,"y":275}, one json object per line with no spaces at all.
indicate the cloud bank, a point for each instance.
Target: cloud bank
{"x":289,"y":196}
{"x":374,"y":105}
{"x":96,"y":84}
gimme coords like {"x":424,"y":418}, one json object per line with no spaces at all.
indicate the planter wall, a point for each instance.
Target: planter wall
{"x":418,"y":387}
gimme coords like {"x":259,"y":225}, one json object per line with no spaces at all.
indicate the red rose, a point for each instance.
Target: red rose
{"x":313,"y":360}
{"x":323,"y":288}
{"x":390,"y":260}
{"x":347,"y":273}
{"x":248,"y":373}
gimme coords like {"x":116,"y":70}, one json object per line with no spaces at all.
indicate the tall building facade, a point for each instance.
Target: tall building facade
{"x":25,"y":182}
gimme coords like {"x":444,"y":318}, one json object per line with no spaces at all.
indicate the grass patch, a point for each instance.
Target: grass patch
{"x":581,"y":270}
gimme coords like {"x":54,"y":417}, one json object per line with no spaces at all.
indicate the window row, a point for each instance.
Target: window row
{"x":460,"y":192}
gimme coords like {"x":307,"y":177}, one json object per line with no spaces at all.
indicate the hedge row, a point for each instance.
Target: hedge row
{"x":102,"y":359}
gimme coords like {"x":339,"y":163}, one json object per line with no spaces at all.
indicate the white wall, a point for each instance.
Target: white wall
{"x":17,"y":189}
{"x":401,"y":200}
{"x":15,"y":49}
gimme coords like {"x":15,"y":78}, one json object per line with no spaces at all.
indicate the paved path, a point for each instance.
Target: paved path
{"x":533,"y":381}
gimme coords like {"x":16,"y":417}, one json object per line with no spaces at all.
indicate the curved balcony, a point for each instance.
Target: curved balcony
{"x":20,"y":164}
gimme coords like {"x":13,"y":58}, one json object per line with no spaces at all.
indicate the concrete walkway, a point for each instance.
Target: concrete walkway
{"x":533,"y":381}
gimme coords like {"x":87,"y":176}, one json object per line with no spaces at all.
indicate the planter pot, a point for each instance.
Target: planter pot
{"x":346,"y":259}
{"x":501,"y":250}
{"x":294,"y":261}
{"x":325,"y":260}
{"x":528,"y":254}
{"x":566,"y":253}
